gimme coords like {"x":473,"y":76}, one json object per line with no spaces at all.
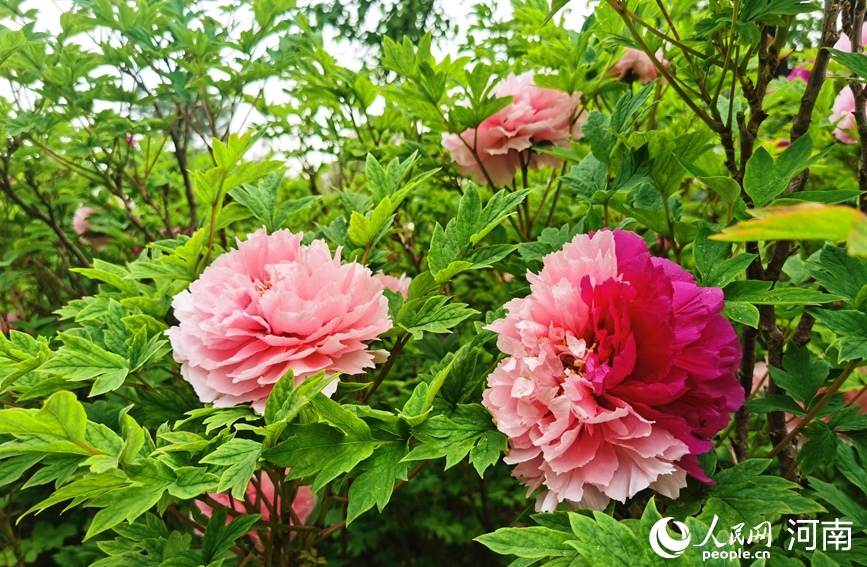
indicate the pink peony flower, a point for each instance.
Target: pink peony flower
{"x":271,"y":305}
{"x":397,"y":285}
{"x":842,"y":113}
{"x":845,"y":44}
{"x":619,"y":371}
{"x":303,"y":505}
{"x":637,"y":63}
{"x":80,"y":224}
{"x":536,"y":115}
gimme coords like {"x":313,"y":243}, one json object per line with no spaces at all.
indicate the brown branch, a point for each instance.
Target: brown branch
{"x":801,"y":121}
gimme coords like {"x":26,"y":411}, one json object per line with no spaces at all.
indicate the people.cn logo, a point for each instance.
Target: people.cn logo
{"x":663,"y":544}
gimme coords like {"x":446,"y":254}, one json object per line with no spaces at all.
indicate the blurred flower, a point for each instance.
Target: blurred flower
{"x":303,"y":505}
{"x":842,"y":113}
{"x":620,"y":370}
{"x":130,"y":140}
{"x":535,"y":116}
{"x":397,"y":285}
{"x":845,"y":44}
{"x":81,"y":225}
{"x":637,"y":63}
{"x":6,"y":322}
{"x":799,"y":72}
{"x":271,"y":305}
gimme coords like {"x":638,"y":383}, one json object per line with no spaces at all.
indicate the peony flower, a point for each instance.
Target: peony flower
{"x":80,"y":224}
{"x":303,"y":505}
{"x":271,"y":305}
{"x":636,"y":62}
{"x":397,"y":285}
{"x":845,"y":44}
{"x":799,"y":72}
{"x":620,"y":370}
{"x":842,"y":113}
{"x":535,"y":116}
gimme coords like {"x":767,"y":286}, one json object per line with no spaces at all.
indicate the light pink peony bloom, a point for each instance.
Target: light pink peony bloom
{"x":80,"y":224}
{"x":271,"y":305}
{"x":845,"y":44}
{"x":842,"y":113}
{"x":637,"y":63}
{"x":303,"y":505}
{"x":536,"y":115}
{"x":397,"y":285}
{"x":619,"y":371}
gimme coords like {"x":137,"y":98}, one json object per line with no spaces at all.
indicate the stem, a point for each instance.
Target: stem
{"x":398,"y":346}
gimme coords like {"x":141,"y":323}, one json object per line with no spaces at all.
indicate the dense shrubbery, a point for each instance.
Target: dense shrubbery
{"x":261,"y":309}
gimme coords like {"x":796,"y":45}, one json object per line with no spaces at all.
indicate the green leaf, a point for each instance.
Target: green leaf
{"x":219,"y":536}
{"x":725,"y":187}
{"x":851,"y":329}
{"x":193,"y":481}
{"x":802,"y":374}
{"x":335,"y":415}
{"x":452,"y":438}
{"x":126,"y":503}
{"x":757,"y":293}
{"x":487,"y":451}
{"x":375,"y":485}
{"x":240,"y":457}
{"x":595,"y":131}
{"x":838,"y":272}
{"x":851,"y":467}
{"x":605,"y":541}
{"x":321,"y":450}
{"x":820,"y":448}
{"x":850,"y":508}
{"x":469,"y":215}
{"x":532,"y":542}
{"x":803,"y":222}
{"x":764,"y":179}
{"x":498,"y":208}
{"x":285,"y":400}
{"x":432,"y":315}
{"x":80,"y":359}
{"x":855,"y":62}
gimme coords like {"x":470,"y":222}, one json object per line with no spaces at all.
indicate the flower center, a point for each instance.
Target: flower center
{"x":574,"y":356}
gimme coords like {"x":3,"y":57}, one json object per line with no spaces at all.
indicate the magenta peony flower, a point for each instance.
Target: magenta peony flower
{"x":271,"y":305}
{"x":636,"y":62}
{"x":536,"y":115}
{"x":619,"y":371}
{"x":397,"y":285}
{"x":303,"y":505}
{"x":842,"y":113}
{"x":799,"y":72}
{"x":845,"y":44}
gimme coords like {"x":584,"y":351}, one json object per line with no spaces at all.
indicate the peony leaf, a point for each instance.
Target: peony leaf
{"x":803,"y":222}
{"x":285,"y":400}
{"x":337,"y":416}
{"x":375,"y":485}
{"x":533,"y":542}
{"x":837,"y":272}
{"x":321,"y":450}
{"x":193,"y":481}
{"x":219,"y":536}
{"x":605,"y":541}
{"x":850,"y":326}
{"x":240,"y":457}
{"x":432,"y":315}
